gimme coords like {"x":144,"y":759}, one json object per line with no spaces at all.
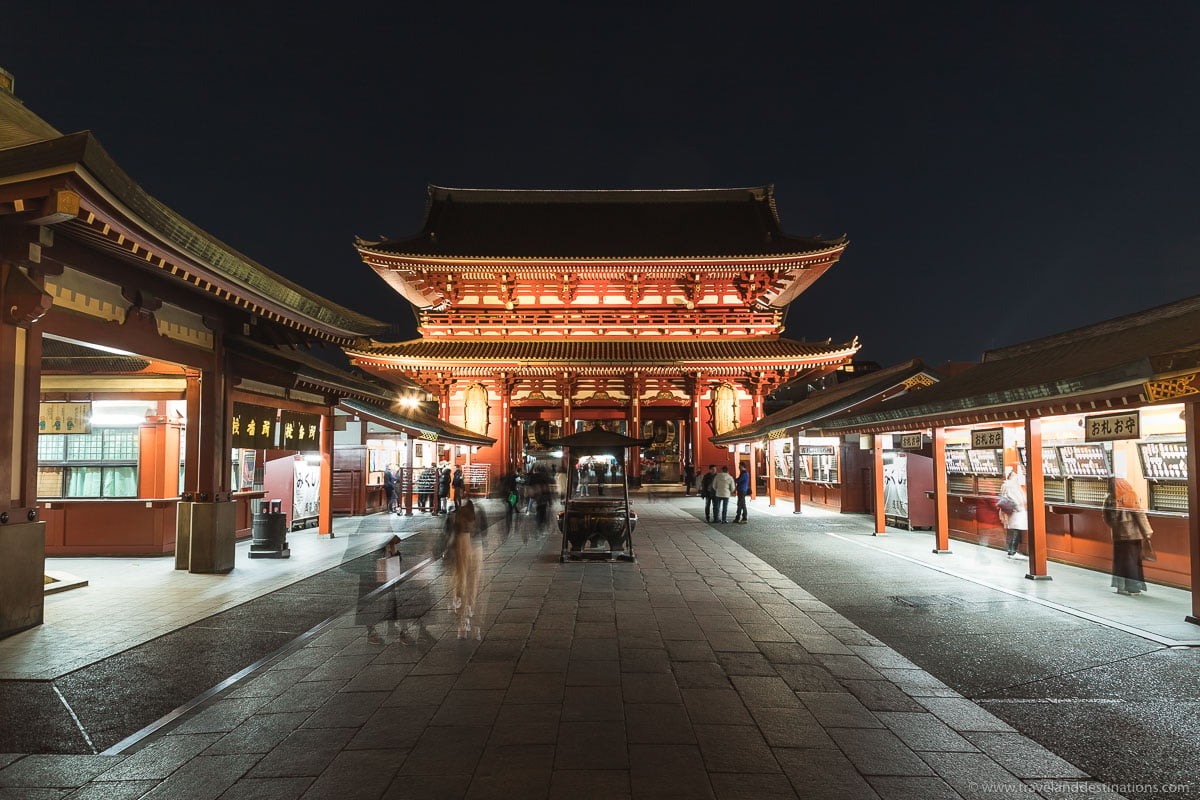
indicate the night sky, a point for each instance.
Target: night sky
{"x":1004,"y":171}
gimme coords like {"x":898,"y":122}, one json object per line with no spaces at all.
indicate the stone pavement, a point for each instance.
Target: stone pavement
{"x":700,"y":671}
{"x":129,"y":601}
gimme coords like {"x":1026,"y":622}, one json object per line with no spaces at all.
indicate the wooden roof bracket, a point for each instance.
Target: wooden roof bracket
{"x":26,"y":302}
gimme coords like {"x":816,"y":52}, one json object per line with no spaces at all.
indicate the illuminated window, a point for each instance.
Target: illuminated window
{"x":102,"y":463}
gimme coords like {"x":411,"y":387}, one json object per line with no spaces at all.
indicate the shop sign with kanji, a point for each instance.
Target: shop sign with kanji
{"x":301,"y":432}
{"x":987,"y":438}
{"x":1107,"y":427}
{"x":253,"y":426}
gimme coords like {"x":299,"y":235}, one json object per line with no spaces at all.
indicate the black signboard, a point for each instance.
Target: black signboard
{"x":1166,"y":461}
{"x":299,"y":431}
{"x":253,"y":426}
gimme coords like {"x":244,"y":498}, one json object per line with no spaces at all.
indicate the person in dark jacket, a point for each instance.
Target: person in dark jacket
{"x":743,"y":491}
{"x":443,"y":486}
{"x":389,"y":487}
{"x":706,"y":491}
{"x":457,"y":484}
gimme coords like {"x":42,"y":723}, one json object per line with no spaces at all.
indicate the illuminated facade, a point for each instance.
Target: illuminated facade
{"x":656,"y":313}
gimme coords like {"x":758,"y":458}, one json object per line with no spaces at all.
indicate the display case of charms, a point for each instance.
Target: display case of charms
{"x":1164,"y":463}
{"x":959,"y":477}
{"x":1054,"y":484}
{"x":1088,"y":467}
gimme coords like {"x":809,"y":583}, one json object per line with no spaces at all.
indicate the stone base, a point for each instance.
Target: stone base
{"x":942,"y":552}
{"x":1038,"y":578}
{"x":183,"y":533}
{"x":270,"y":552}
{"x":22,"y":576}
{"x":213,"y":534}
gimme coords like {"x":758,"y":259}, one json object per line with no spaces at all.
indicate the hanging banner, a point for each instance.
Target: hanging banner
{"x":300,"y":431}
{"x":895,"y":486}
{"x":64,"y":417}
{"x":253,"y":426}
{"x":306,"y":500}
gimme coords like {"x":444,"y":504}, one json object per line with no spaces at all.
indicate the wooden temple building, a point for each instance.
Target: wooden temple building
{"x":656,"y":313}
{"x":139,"y":356}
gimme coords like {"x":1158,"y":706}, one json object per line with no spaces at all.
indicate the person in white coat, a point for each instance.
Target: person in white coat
{"x":723,"y":486}
{"x":1014,"y":516}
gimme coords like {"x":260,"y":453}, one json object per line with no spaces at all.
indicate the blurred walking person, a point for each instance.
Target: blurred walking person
{"x":1011,"y":506}
{"x":389,"y":487}
{"x":1130,"y":536}
{"x":465,"y":559}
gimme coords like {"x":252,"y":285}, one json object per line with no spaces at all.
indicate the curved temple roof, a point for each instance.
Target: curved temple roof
{"x":415,"y":420}
{"x":1113,"y":358}
{"x":30,"y":146}
{"x":819,"y":405}
{"x":609,"y":351}
{"x":601,"y":223}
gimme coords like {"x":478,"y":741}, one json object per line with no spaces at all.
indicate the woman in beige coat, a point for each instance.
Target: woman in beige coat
{"x":1123,"y":514}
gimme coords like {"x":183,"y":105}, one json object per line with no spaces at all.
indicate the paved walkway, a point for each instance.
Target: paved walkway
{"x":1158,"y":614}
{"x":129,"y":601}
{"x":700,"y":671}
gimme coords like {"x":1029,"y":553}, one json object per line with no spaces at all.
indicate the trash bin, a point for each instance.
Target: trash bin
{"x":269,"y":532}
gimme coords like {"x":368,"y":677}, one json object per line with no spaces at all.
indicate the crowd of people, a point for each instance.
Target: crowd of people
{"x":529,"y":498}
{"x":436,"y":488}
{"x":718,"y":487}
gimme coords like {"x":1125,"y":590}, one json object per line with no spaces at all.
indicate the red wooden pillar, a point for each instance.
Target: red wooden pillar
{"x":1035,"y":484}
{"x":158,"y":457}
{"x":503,"y":446}
{"x":1191,"y":420}
{"x":753,"y":473}
{"x":635,"y":384}
{"x":410,"y":445}
{"x":941,"y":490}
{"x":213,"y":435}
{"x":771,"y":472}
{"x":796,"y":496}
{"x":325,"y":501}
{"x":22,"y":537}
{"x":191,"y":434}
{"x":695,"y":392}
{"x":877,"y":482}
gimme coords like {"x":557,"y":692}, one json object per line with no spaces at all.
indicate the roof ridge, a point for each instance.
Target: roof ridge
{"x":1125,"y":322}
{"x":559,"y":195}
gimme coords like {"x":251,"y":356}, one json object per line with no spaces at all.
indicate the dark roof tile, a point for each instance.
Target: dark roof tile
{"x":656,"y":223}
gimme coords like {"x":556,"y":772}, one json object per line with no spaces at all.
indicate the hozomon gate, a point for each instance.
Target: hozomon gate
{"x":657,"y":313}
